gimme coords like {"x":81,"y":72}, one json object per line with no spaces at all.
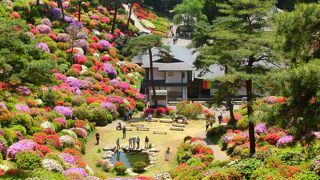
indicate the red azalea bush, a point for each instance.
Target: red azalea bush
{"x":72,"y":151}
{"x":149,"y":111}
{"x":272,"y":138}
{"x":43,"y":149}
{"x":200,"y":149}
{"x":161,"y":110}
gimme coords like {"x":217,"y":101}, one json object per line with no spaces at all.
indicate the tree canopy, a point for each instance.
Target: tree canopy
{"x":20,"y":60}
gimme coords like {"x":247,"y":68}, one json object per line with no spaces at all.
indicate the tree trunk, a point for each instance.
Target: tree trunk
{"x":232,"y":120}
{"x":132,"y":2}
{"x":79,"y":11}
{"x":152,"y":79}
{"x":38,"y":2}
{"x":61,"y":7}
{"x":249,"y":108}
{"x":114,"y":18}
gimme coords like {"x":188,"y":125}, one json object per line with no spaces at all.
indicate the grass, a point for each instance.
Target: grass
{"x":172,"y":140}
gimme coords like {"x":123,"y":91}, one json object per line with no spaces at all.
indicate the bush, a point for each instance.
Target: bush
{"x":28,"y":161}
{"x":81,"y":113}
{"x":53,"y":114}
{"x":243,"y":123}
{"x":189,"y":110}
{"x":247,"y":166}
{"x":19,"y":128}
{"x":24,"y":120}
{"x":120,"y":168}
{"x":291,"y":157}
{"x":217,"y":132}
{"x":313,"y":150}
{"x":139,"y":167}
{"x":101,"y":116}
{"x":139,"y":106}
{"x":187,"y":138}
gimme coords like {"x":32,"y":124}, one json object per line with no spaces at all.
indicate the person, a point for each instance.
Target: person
{"x":207,"y":125}
{"x":97,"y":138}
{"x":174,"y":38}
{"x":130,"y":112}
{"x":130,"y":143}
{"x":133,"y":142}
{"x":149,"y":117}
{"x":211,"y":122}
{"x":167,"y":154}
{"x":126,"y":115}
{"x":220,"y":118}
{"x":171,"y":30}
{"x":118,"y":144}
{"x":138,"y":142}
{"x":124,"y":132}
{"x":119,"y":126}
{"x":146,"y":142}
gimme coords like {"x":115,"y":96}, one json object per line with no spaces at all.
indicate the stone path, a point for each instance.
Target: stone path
{"x":137,"y":23}
{"x":218,"y":154}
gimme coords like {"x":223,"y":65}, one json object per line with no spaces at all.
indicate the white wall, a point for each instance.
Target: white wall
{"x":185,"y":93}
{"x":176,"y":78}
{"x":158,"y":75}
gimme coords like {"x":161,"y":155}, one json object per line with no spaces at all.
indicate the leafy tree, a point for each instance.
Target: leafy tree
{"x":189,"y":12}
{"x":211,"y":9}
{"x":117,"y":4}
{"x":142,"y":44}
{"x":290,"y":4}
{"x":20,"y":60}
{"x":299,"y":41}
{"x":239,"y":41}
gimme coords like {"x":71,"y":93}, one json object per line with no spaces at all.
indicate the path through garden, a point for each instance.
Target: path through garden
{"x":137,"y":23}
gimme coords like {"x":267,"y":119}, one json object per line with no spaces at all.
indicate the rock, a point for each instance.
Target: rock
{"x":152,"y":162}
{"x":153,"y":154}
{"x":133,"y":174}
{"x":110,"y":152}
{"x":153,"y":150}
{"x":152,"y":158}
{"x":107,"y":156}
{"x":109,"y":148}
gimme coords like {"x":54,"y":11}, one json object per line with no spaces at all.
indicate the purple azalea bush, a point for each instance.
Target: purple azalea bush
{"x":66,"y":111}
{"x":80,"y":132}
{"x":63,"y":37}
{"x":261,"y":128}
{"x":60,"y":76}
{"x":109,"y":69}
{"x":79,"y":171}
{"x":74,"y":82}
{"x":68,"y":158}
{"x":68,"y":19}
{"x":82,"y":43}
{"x":55,"y":13}
{"x":3,"y":105}
{"x":284,"y":140}
{"x":44,"y":29}
{"x":23,"y":107}
{"x":122,"y":85}
{"x":22,"y":145}
{"x":43,"y":46}
{"x":47,"y":22}
{"x":105,"y":44}
{"x":110,"y":106}
{"x":23,"y":90}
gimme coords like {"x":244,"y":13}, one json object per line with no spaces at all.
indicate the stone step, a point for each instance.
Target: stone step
{"x":176,"y":128}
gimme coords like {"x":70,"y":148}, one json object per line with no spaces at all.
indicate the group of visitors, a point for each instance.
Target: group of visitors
{"x":211,"y":122}
{"x":134,"y":143}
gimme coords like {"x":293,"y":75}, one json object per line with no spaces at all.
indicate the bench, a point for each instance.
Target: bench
{"x":160,"y":132}
{"x":137,"y":125}
{"x":129,"y":128}
{"x":165,"y":120}
{"x":178,"y":125}
{"x":142,"y":128}
{"x":176,"y":128}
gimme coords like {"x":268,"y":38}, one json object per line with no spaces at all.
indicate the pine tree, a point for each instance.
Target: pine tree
{"x":240,"y":40}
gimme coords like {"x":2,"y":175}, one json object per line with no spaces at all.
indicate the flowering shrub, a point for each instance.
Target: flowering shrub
{"x":272,"y":138}
{"x":47,"y":125}
{"x":67,"y":141}
{"x":79,"y":171}
{"x":66,"y":111}
{"x":70,"y":133}
{"x":261,"y":128}
{"x":120,"y":168}
{"x":52,"y":165}
{"x":149,"y":111}
{"x":43,"y":149}
{"x":80,"y":59}
{"x":161,"y":110}
{"x":23,"y":90}
{"x":44,"y":47}
{"x":23,"y":107}
{"x":105,"y":44}
{"x":22,"y":145}
{"x":284,"y":140}
{"x":68,"y":158}
{"x":44,"y":29}
{"x":110,"y":106}
{"x":81,"y":133}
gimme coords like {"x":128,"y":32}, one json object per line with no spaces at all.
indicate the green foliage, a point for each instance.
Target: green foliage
{"x":24,"y":120}
{"x":184,"y":153}
{"x":20,"y":60}
{"x":139,"y":166}
{"x":262,"y":173}
{"x":140,"y":106}
{"x":9,"y":135}
{"x":242,"y":123}
{"x":247,"y":166}
{"x":189,"y":110}
{"x":28,"y":161}
{"x":291,"y":157}
{"x":44,"y":174}
{"x":216,"y":133}
{"x":101,"y":116}
{"x":313,"y":150}
{"x":82,"y":112}
{"x":49,"y":98}
{"x":19,"y":128}
{"x":306,"y":175}
{"x":53,"y":114}
{"x":299,"y":41}
{"x":120,"y":168}
{"x":189,"y":12}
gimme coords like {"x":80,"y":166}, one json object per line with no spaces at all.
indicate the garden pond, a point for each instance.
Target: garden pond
{"x":129,"y":159}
